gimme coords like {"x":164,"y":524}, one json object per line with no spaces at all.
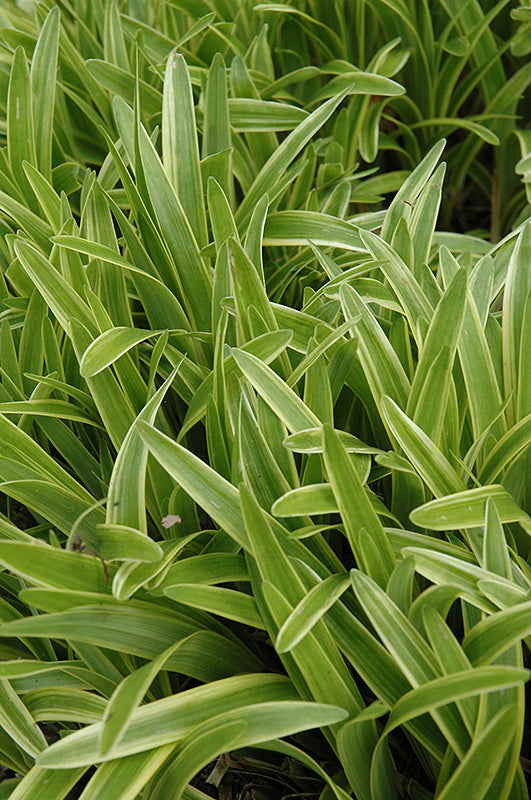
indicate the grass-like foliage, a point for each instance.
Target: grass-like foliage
{"x":265,"y":399}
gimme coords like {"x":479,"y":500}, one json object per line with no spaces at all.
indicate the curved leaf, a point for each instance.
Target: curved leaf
{"x":109,"y":346}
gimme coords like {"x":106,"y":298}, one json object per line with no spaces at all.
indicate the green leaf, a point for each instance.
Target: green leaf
{"x":481,"y":131}
{"x":409,"y":649}
{"x":357,"y":513}
{"x":272,"y":561}
{"x":479,"y":373}
{"x":125,"y":777}
{"x":309,"y":610}
{"x":506,"y":450}
{"x":161,"y":306}
{"x":226,"y":603}
{"x":496,"y":556}
{"x":318,"y":498}
{"x":193,"y":285}
{"x":55,"y":600}
{"x":47,"y":784}
{"x":216,"y":122}
{"x":244,"y":727}
{"x":48,"y":408}
{"x":360,"y":83}
{"x":433,"y":399}
{"x":450,"y":688}
{"x":94,"y":249}
{"x":311,"y":441}
{"x":43,"y":84}
{"x":381,"y":365}
{"x":260,"y":468}
{"x":109,"y":346}
{"x":99,"y":226}
{"x":215,"y":494}
{"x":143,"y":630}
{"x":170,"y":719}
{"x":35,"y":227}
{"x":491,"y":637}
{"x":314,"y":355}
{"x":278,"y":589}
{"x":58,"y":505}
{"x":428,"y":460}
{"x":447,"y":648}
{"x":122,"y":542}
{"x":358,"y":753}
{"x":255,"y":234}
{"x":207,"y":568}
{"x":45,"y":194}
{"x":113,"y":37}
{"x":180,"y":149}
{"x":121,"y":82}
{"x":113,"y":402}
{"x":314,"y":498}
{"x":439,"y":692}
{"x":16,"y":720}
{"x":59,"y":295}
{"x":30,"y":359}
{"x":302,"y":325}
{"x":221,"y":218}
{"x":37,"y":461}
{"x":410,"y":190}
{"x":467,"y":509}
{"x":284,"y":402}
{"x":20,"y":124}
{"x":249,"y":290}
{"x":523,"y":399}
{"x":402,"y":280}
{"x":300,"y":227}
{"x":479,"y":767}
{"x":445,"y":569}
{"x":423,"y":220}
{"x":502,"y":594}
{"x":404,"y":642}
{"x":444,"y":330}
{"x":126,"y":502}
{"x":64,"y":704}
{"x":126,"y":699}
{"x":277,"y":164}
{"x":253,"y":115}
{"x":53,"y":567}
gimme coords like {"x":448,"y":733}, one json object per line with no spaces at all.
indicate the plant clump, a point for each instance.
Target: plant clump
{"x":265,"y":400}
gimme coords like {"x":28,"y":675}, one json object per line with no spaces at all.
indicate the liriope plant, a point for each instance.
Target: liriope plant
{"x":232,"y":518}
